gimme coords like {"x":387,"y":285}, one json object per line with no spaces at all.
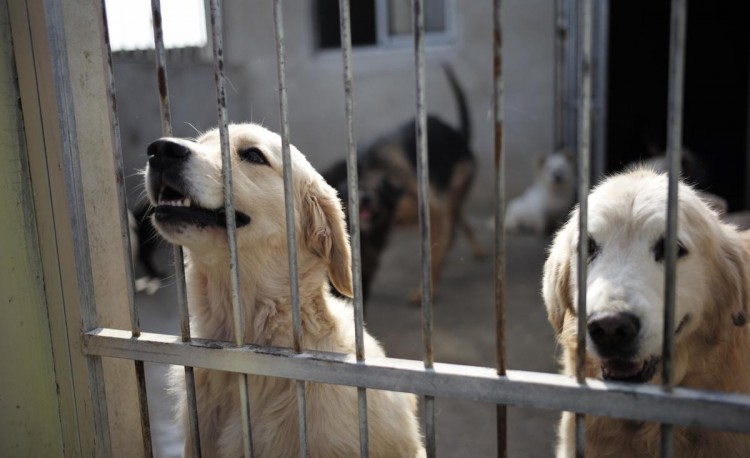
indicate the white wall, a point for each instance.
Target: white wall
{"x":383,"y":82}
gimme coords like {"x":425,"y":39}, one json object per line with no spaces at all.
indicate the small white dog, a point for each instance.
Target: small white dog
{"x":184,"y":182}
{"x":543,"y":205}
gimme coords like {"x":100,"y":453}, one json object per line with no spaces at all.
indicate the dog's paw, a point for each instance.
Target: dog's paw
{"x":148,"y":285}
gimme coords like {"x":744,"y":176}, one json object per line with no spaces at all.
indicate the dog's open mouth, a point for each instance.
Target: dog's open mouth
{"x":176,"y":207}
{"x":620,"y":370}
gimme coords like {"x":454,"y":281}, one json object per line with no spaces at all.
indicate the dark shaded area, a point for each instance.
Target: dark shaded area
{"x":363,"y":23}
{"x":716,"y":88}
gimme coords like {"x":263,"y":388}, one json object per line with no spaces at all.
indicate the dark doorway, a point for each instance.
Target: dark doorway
{"x":717,"y":71}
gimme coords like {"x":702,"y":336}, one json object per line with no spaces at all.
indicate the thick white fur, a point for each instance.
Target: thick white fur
{"x":546,"y":202}
{"x":627,"y":214}
{"x":327,"y":322}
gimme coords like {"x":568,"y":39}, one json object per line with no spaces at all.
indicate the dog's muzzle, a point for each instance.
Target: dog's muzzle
{"x":615,"y":338}
{"x":174,"y":204}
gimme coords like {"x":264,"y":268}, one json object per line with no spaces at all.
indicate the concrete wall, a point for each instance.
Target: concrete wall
{"x":383,"y":82}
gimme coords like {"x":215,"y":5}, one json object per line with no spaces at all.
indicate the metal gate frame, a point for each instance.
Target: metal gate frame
{"x":69,"y":108}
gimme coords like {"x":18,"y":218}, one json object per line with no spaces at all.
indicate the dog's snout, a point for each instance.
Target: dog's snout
{"x":166,"y":152}
{"x":614,"y":334}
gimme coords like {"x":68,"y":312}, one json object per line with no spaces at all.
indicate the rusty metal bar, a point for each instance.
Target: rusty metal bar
{"x":135,"y":325}
{"x":353,"y":205}
{"x":674,"y":153}
{"x":561,"y":50}
{"x":177,"y":254}
{"x":231,"y":223}
{"x":423,"y":181}
{"x":584,"y":153}
{"x":291,"y":236}
{"x":500,"y":351}
{"x":572,"y":75}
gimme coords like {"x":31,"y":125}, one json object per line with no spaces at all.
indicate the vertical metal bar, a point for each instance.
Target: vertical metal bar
{"x":584,"y":137}
{"x":600,"y":75}
{"x":179,"y":261}
{"x":674,"y":153}
{"x":135,"y":324}
{"x":353,"y":205}
{"x":291,"y":236}
{"x":231,"y":223}
{"x":561,"y":51}
{"x":572,"y":75}
{"x":502,"y":411}
{"x":423,"y":181}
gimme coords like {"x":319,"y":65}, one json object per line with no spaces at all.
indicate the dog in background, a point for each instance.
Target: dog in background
{"x":144,"y":240}
{"x":183,"y":181}
{"x":378,"y":199}
{"x":544,"y":205}
{"x":625,"y":296}
{"x":388,"y":173}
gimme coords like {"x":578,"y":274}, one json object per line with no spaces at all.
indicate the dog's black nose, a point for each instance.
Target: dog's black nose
{"x":163,"y":153}
{"x":614,"y":334}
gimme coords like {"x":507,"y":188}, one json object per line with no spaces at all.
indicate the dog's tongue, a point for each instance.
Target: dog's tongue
{"x":618,"y":368}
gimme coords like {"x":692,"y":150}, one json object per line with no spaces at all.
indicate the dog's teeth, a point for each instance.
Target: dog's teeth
{"x":186,"y":202}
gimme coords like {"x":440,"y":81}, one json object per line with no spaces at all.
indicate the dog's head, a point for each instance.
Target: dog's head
{"x":184,"y":183}
{"x":556,"y":170}
{"x":625,"y":285}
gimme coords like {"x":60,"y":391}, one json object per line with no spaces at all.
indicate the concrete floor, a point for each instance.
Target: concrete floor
{"x":463,"y":334}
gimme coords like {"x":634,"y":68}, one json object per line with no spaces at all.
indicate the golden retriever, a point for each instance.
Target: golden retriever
{"x":184,"y":182}
{"x":625,"y":296}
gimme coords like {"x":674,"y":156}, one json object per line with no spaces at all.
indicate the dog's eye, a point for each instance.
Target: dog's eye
{"x":253,"y":155}
{"x":660,"y":247}
{"x":593,"y":249}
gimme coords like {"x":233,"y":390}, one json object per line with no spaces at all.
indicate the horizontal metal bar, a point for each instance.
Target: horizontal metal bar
{"x":687,"y":407}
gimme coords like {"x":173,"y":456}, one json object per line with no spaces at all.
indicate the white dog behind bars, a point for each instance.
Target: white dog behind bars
{"x":625,"y":296}
{"x":184,"y":182}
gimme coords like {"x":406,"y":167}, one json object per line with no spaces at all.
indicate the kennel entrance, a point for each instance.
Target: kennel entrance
{"x":71,"y":137}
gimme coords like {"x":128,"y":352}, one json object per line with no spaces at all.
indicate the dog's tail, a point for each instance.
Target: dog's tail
{"x":463,"y":108}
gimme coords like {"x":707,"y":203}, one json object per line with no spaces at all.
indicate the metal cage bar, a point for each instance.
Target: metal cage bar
{"x":562,"y":37}
{"x":674,"y":153}
{"x":177,"y":254}
{"x":353,"y":206}
{"x":499,"y":144}
{"x":584,"y":153}
{"x":135,"y":324}
{"x":231,"y":223}
{"x":600,"y":74}
{"x":694,"y":408}
{"x":291,"y":236}
{"x":423,"y":181}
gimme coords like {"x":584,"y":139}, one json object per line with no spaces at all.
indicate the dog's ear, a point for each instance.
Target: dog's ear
{"x":325,"y":233}
{"x":734,"y":276}
{"x":556,"y":282}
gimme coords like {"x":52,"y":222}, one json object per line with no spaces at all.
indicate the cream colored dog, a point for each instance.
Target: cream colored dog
{"x":544,"y":205}
{"x":625,"y":296}
{"x":184,"y":182}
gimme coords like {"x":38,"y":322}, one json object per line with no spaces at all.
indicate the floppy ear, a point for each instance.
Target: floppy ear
{"x":325,"y":233}
{"x":733,"y":274}
{"x":556,"y":282}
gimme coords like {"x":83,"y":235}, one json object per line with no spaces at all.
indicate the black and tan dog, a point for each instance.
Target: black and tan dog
{"x":388,"y":187}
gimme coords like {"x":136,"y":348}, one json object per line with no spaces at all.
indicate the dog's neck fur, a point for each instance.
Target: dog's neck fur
{"x":266,"y":297}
